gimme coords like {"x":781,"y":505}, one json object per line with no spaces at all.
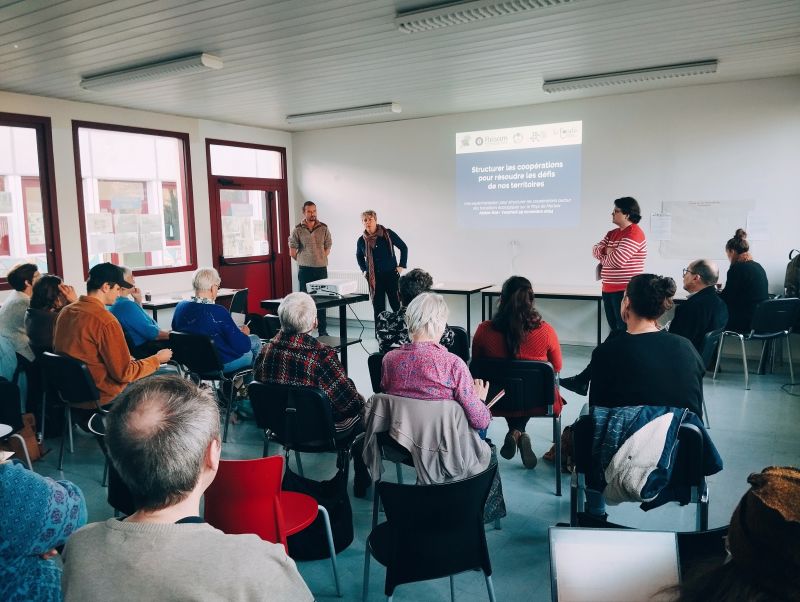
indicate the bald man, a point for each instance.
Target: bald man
{"x":704,"y":310}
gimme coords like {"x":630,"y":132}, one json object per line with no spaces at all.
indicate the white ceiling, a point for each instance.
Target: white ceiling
{"x":296,"y":56}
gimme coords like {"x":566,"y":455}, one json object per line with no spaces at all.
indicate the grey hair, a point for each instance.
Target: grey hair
{"x":706,"y":269}
{"x":157,"y":435}
{"x":297,"y":312}
{"x":126,"y":271}
{"x":427,"y":315}
{"x":204,"y":278}
{"x":369,"y":213}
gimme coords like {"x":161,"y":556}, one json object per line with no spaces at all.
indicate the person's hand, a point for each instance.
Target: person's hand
{"x":48,"y":555}
{"x":399,"y":270}
{"x":245,"y":329}
{"x":164,"y":355}
{"x":365,"y":274}
{"x":68,"y":292}
{"x":136,"y":293}
{"x":481,"y":388}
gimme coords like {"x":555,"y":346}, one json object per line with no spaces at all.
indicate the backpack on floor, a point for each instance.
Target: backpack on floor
{"x":791,"y":282}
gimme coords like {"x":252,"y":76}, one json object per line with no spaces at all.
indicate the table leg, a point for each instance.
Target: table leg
{"x":483,"y":307}
{"x":343,"y":335}
{"x":155,"y":315}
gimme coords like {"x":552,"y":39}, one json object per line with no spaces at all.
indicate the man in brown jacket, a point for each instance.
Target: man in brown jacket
{"x":87,"y":331}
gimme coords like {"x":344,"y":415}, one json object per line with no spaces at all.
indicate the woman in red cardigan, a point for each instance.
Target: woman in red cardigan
{"x":517,"y":331}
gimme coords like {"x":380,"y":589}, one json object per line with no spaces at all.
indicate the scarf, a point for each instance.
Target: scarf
{"x":370,"y":241}
{"x":742,"y":257}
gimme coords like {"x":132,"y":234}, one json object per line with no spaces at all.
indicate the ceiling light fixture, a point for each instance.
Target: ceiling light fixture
{"x":459,"y":13}
{"x":378,"y":110}
{"x":631,"y":76}
{"x":152,"y":71}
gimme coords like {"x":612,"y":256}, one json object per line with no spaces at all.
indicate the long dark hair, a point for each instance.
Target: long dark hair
{"x":516,"y":314}
{"x":46,"y":295}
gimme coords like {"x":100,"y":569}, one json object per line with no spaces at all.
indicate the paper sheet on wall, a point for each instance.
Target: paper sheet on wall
{"x":700,"y":228}
{"x":241,"y":209}
{"x":101,"y":243}
{"x":126,"y":203}
{"x":660,"y":226}
{"x":757,"y":226}
{"x":5,"y":202}
{"x":36,"y":228}
{"x":98,"y":223}
{"x":151,"y":241}
{"x":150,"y":222}
{"x":127,"y":242}
{"x":126,"y":222}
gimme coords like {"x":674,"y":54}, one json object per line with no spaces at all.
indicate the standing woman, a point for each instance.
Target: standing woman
{"x":746,"y":284}
{"x":518,"y":332}
{"x":376,"y":258}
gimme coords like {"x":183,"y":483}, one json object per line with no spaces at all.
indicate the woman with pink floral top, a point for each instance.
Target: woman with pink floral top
{"x":424,"y":369}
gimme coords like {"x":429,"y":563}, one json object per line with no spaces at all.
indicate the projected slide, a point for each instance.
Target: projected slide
{"x":522,"y":177}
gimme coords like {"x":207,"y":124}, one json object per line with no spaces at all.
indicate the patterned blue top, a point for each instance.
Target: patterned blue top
{"x":38,"y":514}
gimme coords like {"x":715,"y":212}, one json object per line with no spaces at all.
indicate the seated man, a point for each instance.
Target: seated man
{"x":86,"y":330}
{"x":704,"y":310}
{"x":140,"y":329}
{"x":294,"y":357}
{"x":164,"y":551}
{"x":237,"y":348}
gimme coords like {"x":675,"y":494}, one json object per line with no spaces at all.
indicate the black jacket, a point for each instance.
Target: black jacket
{"x":745,"y":288}
{"x":702,"y":312}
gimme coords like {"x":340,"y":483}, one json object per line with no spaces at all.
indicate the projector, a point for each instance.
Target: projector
{"x":332,"y":287}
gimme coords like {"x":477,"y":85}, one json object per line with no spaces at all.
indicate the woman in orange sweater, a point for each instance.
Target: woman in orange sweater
{"x":517,"y":331}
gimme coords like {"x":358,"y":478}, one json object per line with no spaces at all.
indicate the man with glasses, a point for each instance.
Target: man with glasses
{"x":704,"y":310}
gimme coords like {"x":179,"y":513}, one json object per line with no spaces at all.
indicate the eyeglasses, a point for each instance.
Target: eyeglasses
{"x":687,"y":271}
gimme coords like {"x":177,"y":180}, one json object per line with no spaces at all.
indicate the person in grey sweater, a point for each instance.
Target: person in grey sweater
{"x":163,"y":439}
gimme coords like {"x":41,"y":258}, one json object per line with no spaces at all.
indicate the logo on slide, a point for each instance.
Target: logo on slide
{"x":466,"y":140}
{"x":517,"y":138}
{"x":478,"y":141}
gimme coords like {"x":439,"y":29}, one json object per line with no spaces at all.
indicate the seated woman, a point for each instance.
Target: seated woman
{"x":391,"y":326}
{"x":746,"y":283}
{"x":142,"y":332}
{"x":237,"y":348}
{"x":518,"y":332}
{"x":294,"y":357}
{"x":49,"y":295}
{"x":425,"y":369}
{"x":647,"y":365}
{"x":38,"y":515}
{"x":12,"y":313}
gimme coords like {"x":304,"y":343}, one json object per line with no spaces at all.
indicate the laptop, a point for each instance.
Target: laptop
{"x":619,"y":565}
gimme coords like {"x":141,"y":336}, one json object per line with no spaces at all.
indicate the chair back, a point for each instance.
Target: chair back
{"x":298,"y":417}
{"x":775,"y":316}
{"x":272,"y":324}
{"x":245,"y":498}
{"x":437,"y":528}
{"x":374,"y":361}
{"x":460,"y":343}
{"x":710,"y":344}
{"x":528,"y":383}
{"x":69,"y":377}
{"x":697,"y":549}
{"x":10,"y":410}
{"x":196,"y":352}
{"x":239,"y":302}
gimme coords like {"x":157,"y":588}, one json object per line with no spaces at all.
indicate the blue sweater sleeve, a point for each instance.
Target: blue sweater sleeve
{"x":398,"y":242}
{"x":134,"y":321}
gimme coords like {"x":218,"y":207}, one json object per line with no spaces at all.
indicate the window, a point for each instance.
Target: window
{"x":136,"y":204}
{"x":28,"y":230}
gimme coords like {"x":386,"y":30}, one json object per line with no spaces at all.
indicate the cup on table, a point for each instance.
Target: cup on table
{"x":148,"y":296}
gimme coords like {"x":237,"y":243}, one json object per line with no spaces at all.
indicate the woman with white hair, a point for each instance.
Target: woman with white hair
{"x":237,"y":348}
{"x":425,"y":369}
{"x":294,"y":357}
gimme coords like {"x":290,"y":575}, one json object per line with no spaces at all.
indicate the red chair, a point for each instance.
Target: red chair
{"x":246,"y":497}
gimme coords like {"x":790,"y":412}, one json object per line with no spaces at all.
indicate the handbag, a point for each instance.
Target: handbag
{"x":312,"y":543}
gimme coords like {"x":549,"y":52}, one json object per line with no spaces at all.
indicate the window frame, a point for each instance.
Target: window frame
{"x":186,"y":168}
{"x":47,"y":184}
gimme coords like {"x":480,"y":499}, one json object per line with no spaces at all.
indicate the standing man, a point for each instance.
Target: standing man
{"x":376,"y":258}
{"x":310,"y":244}
{"x":704,"y":310}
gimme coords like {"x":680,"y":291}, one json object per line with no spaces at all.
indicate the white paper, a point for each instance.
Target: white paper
{"x":258,"y":229}
{"x":5,"y":202}
{"x":151,"y":241}
{"x":150,"y":222}
{"x":757,"y":226}
{"x":127,"y":242}
{"x":36,"y":228}
{"x":101,"y":243}
{"x":126,"y":203}
{"x":238,"y":319}
{"x":241,"y":209}
{"x":660,"y":226}
{"x":99,"y":223}
{"x":126,"y":222}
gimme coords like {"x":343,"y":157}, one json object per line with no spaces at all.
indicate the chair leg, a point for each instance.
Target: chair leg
{"x":490,"y":588}
{"x":399,"y":471}
{"x":69,"y":430}
{"x":228,"y":414}
{"x":105,"y":474}
{"x":744,"y":364}
{"x":719,"y":355}
{"x":266,"y":446}
{"x":299,"y":463}
{"x":498,"y":526}
{"x":706,"y":419}
{"x":452,"y":589}
{"x":375,"y":504}
{"x":701,"y":514}
{"x":44,"y":410}
{"x":24,"y":449}
{"x":63,"y":438}
{"x":789,"y":357}
{"x":557,"y":442}
{"x":331,"y":548}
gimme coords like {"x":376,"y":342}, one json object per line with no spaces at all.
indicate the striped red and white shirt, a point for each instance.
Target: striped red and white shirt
{"x":622,"y":253}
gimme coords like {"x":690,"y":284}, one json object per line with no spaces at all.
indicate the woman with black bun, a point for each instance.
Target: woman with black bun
{"x":647,"y":365}
{"x":746,"y":284}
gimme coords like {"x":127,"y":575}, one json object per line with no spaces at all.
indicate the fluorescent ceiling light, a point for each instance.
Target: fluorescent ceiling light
{"x":631,"y":76}
{"x":458,"y":13}
{"x":386,"y":108}
{"x":152,"y":71}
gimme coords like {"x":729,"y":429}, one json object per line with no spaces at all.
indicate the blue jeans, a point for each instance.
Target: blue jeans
{"x":595,"y":502}
{"x":246,"y":360}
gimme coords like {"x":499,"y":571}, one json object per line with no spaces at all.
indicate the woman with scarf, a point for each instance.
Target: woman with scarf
{"x":746,"y":283}
{"x":376,"y":258}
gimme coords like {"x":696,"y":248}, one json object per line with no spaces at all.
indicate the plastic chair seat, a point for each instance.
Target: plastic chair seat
{"x":299,"y":511}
